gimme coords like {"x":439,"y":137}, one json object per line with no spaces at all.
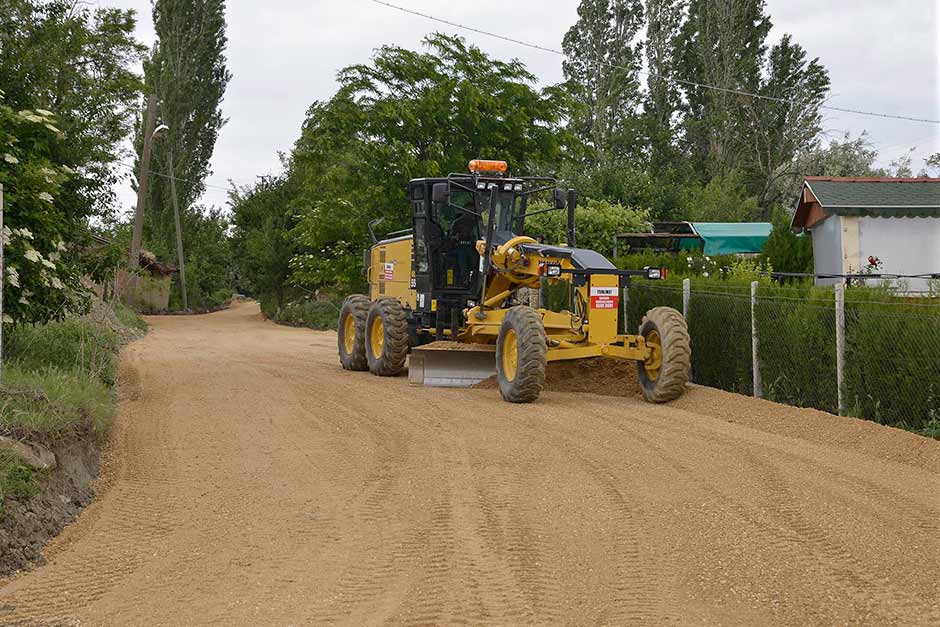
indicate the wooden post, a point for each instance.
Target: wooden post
{"x":142,"y":180}
{"x":179,"y":232}
{"x":686,"y":297}
{"x":840,"y":343}
{"x":758,"y":385}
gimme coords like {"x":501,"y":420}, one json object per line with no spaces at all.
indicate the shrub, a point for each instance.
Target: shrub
{"x":315,"y":314}
{"x":688,"y":263}
{"x":596,"y":220}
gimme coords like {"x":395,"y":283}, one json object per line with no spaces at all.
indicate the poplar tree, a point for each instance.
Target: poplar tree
{"x":603,"y":57}
{"x":187,"y":70}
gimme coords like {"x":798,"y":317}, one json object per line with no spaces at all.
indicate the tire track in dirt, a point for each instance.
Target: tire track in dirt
{"x":256,"y":482}
{"x":778,"y":518}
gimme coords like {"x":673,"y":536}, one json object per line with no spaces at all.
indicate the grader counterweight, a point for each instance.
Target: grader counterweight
{"x":449,"y":292}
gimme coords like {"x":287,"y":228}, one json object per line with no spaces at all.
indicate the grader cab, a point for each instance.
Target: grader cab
{"x":454,"y":293}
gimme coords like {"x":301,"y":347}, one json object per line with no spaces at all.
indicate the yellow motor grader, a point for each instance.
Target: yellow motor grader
{"x":450,"y":293}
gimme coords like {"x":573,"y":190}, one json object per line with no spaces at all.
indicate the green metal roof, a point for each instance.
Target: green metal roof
{"x":727,"y":238}
{"x":877,"y":197}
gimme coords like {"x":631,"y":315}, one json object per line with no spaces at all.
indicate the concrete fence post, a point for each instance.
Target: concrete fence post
{"x":686,"y":297}
{"x":758,"y":386}
{"x":840,"y":343}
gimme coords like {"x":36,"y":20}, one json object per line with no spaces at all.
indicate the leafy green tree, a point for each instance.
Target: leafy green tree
{"x":723,"y":199}
{"x":780,"y":129}
{"x":65,"y":57}
{"x":721,"y":44}
{"x":845,"y":157}
{"x":209,"y":263}
{"x":262,"y":245}
{"x":187,"y":71}
{"x":933,"y":161}
{"x":601,"y":66}
{"x":405,"y":115}
{"x":662,"y":102}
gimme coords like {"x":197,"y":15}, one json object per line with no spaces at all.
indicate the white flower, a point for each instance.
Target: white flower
{"x":60,"y":246}
{"x":54,"y":256}
{"x":10,"y":158}
{"x":53,"y":129}
{"x":7,"y":319}
{"x":67,"y":169}
{"x":31,"y":117}
{"x":56,"y":283}
{"x":33,"y":255}
{"x":704,"y":274}
{"x":24,"y":232}
{"x":48,"y":264}
{"x":48,"y":114}
{"x":45,"y":196}
{"x":23,"y":300}
{"x":7,"y":234}
{"x":13,"y":277}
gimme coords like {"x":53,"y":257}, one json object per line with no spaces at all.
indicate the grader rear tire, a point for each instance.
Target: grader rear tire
{"x":521,"y":355}
{"x":351,"y":339}
{"x":386,"y":337}
{"x":663,"y":377}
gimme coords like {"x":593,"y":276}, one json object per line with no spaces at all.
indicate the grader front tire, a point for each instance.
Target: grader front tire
{"x":664,"y":375}
{"x":352,"y":332}
{"x":386,"y":337}
{"x":521,"y":355}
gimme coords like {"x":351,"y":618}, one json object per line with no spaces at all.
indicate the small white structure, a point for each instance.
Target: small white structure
{"x":857,"y":221}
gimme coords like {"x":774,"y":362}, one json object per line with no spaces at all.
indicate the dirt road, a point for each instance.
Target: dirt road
{"x":252,"y":481}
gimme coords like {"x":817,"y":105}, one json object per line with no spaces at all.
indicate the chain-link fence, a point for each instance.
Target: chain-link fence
{"x":802,"y":342}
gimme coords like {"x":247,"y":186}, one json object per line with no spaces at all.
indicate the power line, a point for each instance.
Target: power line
{"x":176,"y":178}
{"x":647,"y":73}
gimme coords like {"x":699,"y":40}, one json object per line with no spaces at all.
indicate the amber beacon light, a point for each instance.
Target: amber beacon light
{"x":486,"y":165}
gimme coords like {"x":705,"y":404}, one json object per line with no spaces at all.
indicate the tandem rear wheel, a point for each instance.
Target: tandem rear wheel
{"x":386,"y":344}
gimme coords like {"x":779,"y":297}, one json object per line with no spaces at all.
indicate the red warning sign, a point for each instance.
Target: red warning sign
{"x":604,"y":298}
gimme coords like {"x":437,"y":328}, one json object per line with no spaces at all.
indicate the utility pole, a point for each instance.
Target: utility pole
{"x":142,"y":180}
{"x":179,"y":232}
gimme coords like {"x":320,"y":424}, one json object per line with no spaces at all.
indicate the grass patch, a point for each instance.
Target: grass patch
{"x":51,"y":402}
{"x":129,"y":317}
{"x":70,"y":345}
{"x":16,"y":479}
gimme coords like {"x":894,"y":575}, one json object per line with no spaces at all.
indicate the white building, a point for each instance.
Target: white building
{"x":854,"y":221}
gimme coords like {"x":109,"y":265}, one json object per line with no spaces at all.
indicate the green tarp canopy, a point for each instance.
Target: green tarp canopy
{"x":729,"y":238}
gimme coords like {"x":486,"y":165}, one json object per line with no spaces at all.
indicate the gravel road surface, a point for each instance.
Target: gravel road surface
{"x":252,"y":481}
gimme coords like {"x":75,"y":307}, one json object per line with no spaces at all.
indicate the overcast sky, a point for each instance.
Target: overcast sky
{"x":284,"y":54}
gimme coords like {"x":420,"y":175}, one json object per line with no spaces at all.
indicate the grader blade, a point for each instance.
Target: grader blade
{"x":451,"y":364}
